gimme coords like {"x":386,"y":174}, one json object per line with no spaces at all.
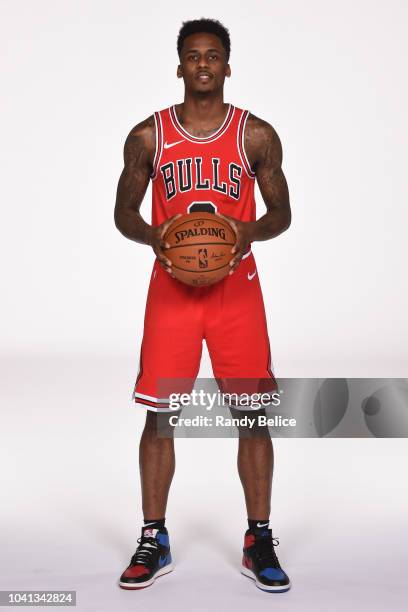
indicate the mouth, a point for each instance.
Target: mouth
{"x":204,"y":77}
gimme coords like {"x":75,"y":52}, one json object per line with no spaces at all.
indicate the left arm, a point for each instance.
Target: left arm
{"x":264,"y":151}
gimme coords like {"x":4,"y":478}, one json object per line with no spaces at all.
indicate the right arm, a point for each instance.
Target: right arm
{"x":139,"y":154}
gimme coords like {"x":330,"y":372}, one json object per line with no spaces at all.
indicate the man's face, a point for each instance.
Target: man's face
{"x":203,"y":63}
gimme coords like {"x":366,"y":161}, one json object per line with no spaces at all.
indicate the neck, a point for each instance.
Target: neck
{"x":206,"y":107}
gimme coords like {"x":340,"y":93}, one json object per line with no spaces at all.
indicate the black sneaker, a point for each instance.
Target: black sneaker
{"x":260,"y":562}
{"x":151,"y":560}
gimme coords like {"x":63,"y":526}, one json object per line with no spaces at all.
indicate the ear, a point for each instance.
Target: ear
{"x":179,"y":72}
{"x":228,"y":71}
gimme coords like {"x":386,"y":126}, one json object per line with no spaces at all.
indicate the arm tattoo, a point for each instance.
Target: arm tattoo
{"x":138,"y":162}
{"x":264,"y":151}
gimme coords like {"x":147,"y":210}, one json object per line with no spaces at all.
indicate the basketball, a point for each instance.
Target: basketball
{"x":200,"y":248}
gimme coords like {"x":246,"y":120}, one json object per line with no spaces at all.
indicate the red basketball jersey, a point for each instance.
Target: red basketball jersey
{"x":195,"y":174}
{"x":203,"y":174}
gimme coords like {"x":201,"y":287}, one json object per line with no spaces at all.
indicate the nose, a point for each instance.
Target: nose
{"x":202,"y":61}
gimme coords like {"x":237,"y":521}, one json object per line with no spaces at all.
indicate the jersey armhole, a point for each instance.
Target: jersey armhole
{"x":241,"y":144}
{"x":159,"y":144}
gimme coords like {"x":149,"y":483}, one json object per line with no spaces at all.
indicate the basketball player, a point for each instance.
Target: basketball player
{"x":203,"y":154}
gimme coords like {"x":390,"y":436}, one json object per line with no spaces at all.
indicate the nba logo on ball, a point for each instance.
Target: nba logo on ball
{"x":199,"y":248}
{"x":202,"y":258}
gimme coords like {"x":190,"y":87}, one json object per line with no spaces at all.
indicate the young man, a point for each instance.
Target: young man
{"x":203,"y":154}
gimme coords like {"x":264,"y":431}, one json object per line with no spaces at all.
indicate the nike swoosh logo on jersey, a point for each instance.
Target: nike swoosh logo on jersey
{"x":168,"y":145}
{"x":250,"y":277}
{"x":263,"y":525}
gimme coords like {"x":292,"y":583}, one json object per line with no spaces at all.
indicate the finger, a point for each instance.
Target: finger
{"x":238,"y":241}
{"x":166,"y":269}
{"x":230,"y":220}
{"x":234,"y":227}
{"x":234,"y":267}
{"x":162,"y":255}
{"x":164,"y":229}
{"x":237,"y":248}
{"x":235,"y":261}
{"x":164,"y":260}
{"x":157,"y":248}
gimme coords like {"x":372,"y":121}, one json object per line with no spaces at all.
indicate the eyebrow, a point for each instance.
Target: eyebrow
{"x":195,"y":50}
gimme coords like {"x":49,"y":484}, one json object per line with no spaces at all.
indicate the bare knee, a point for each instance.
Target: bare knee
{"x":157,"y":426}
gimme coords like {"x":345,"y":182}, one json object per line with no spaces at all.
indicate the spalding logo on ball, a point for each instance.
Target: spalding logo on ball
{"x":200,"y":248}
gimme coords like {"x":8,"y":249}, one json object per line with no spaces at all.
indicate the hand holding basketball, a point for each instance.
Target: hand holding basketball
{"x":199,"y":246}
{"x":159,"y":245}
{"x":243,"y":232}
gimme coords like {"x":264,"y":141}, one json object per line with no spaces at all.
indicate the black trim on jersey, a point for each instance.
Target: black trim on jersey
{"x":140,"y":372}
{"x":201,"y":207}
{"x":241,"y":144}
{"x":159,"y":144}
{"x":181,"y":163}
{"x":199,"y":182}
{"x":216,"y":185}
{"x":217,"y":134}
{"x":235,"y":192}
{"x":268,"y":368}
{"x":169,"y":181}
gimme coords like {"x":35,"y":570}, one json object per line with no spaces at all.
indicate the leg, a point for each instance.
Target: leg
{"x":255,"y":465}
{"x":255,"y":468}
{"x":169,"y":362}
{"x":157,"y":465}
{"x":169,"y":359}
{"x":238,"y":343}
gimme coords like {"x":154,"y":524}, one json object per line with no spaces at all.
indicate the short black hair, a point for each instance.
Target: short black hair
{"x":210,"y":26}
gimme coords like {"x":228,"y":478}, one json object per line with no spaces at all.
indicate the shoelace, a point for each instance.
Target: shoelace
{"x":144,"y":550}
{"x":267,"y":552}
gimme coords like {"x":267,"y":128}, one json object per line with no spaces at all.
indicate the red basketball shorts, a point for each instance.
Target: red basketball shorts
{"x":229,"y":316}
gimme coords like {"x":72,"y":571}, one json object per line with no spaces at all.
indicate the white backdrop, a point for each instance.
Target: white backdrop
{"x":77,"y":75}
{"x":327,"y":75}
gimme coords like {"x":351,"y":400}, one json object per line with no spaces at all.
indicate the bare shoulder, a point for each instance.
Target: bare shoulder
{"x":141,"y":141}
{"x":262,"y":143}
